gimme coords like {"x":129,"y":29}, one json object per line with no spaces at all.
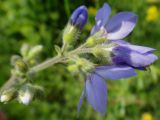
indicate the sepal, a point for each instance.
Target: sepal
{"x":97,"y":38}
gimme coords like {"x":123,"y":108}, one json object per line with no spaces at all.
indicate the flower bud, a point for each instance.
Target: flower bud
{"x":35,"y":51}
{"x":14,"y":58}
{"x":80,"y":64}
{"x":7,"y":95}
{"x":21,"y":66}
{"x":77,"y":21}
{"x":73,"y":68}
{"x":26,"y":94}
{"x":24,"y":50}
{"x":79,"y":17}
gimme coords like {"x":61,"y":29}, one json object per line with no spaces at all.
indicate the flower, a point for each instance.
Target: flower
{"x":152,"y":13}
{"x":7,"y":95}
{"x":79,"y":17}
{"x":147,"y":116}
{"x":135,"y":56}
{"x":118,"y":27}
{"x":95,"y":87}
{"x":124,"y":57}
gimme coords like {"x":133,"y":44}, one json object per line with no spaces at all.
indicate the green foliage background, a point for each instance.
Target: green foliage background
{"x":42,"y":22}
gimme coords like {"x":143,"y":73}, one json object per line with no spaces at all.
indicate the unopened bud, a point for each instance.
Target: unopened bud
{"x":7,"y":95}
{"x":77,"y":21}
{"x":35,"y":51}
{"x":14,"y":58}
{"x":73,"y":68}
{"x":24,"y":50}
{"x":79,"y":17}
{"x":21,"y":66}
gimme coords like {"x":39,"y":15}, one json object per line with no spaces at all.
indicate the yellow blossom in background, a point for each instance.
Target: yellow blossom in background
{"x":152,"y":13}
{"x":92,"y":10}
{"x":147,"y":116}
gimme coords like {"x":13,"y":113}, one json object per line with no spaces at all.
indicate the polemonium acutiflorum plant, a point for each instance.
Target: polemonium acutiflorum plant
{"x":116,"y":58}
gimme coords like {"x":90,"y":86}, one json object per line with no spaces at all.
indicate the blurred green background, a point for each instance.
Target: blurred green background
{"x":41,"y":22}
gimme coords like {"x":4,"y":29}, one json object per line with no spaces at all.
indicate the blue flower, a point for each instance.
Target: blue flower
{"x":118,"y":27}
{"x":125,"y":57}
{"x":95,"y":87}
{"x":79,"y":17}
{"x":138,"y":57}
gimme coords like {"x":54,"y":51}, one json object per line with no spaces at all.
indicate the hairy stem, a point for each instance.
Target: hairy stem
{"x":59,"y":59}
{"x":46,"y":64}
{"x":11,"y":81}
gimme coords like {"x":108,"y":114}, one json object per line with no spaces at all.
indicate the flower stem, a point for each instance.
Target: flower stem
{"x":11,"y":81}
{"x":59,"y":59}
{"x":46,"y":64}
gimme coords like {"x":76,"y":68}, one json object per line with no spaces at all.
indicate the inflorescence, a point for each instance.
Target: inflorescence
{"x":120,"y":58}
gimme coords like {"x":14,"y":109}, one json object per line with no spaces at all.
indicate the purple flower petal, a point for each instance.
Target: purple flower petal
{"x":79,"y":16}
{"x":114,"y":72}
{"x":81,"y":101}
{"x":103,"y":15}
{"x":140,"y":49}
{"x":139,"y":60}
{"x":121,"y":25}
{"x":96,"y":92}
{"x":101,"y":18}
{"x":132,"y":58}
{"x":94,"y":30}
{"x":137,"y":48}
{"x":120,"y":42}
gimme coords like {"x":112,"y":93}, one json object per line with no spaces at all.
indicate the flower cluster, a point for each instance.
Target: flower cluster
{"x":124,"y":57}
{"x":120,"y":58}
{"x":22,"y":90}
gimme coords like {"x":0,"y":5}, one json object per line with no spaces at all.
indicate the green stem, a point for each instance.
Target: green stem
{"x":46,"y":64}
{"x":11,"y":81}
{"x":59,"y":59}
